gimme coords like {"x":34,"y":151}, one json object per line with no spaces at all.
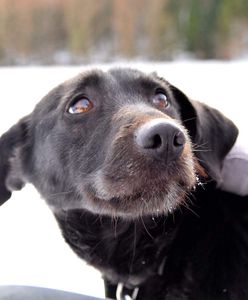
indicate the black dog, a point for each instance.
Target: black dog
{"x":118,"y":156}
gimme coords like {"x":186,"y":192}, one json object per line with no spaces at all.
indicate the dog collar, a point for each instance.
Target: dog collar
{"x":124,"y":293}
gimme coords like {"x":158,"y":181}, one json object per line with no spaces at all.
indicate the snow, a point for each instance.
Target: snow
{"x":32,"y":250}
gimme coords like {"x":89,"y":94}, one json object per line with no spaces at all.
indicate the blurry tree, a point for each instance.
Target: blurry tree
{"x":160,"y":30}
{"x":200,"y":30}
{"x":100,"y":30}
{"x":78,"y":22}
{"x":124,"y":24}
{"x":232,"y":28}
{"x":87,"y":25}
{"x":206,"y":27}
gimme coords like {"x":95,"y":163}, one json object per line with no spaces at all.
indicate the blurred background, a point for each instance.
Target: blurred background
{"x":48,"y":32}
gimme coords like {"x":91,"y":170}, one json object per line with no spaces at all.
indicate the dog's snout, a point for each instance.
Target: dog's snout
{"x":161,"y":140}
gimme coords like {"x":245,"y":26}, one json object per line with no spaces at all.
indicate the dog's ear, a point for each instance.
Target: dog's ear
{"x":12,"y":147}
{"x":213,"y":134}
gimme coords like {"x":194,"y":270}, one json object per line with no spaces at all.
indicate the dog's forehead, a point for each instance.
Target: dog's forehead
{"x":117,"y":84}
{"x":116,"y":79}
{"x":134,"y":77}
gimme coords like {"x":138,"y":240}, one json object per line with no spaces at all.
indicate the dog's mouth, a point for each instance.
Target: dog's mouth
{"x":141,"y":196}
{"x":154,"y":202}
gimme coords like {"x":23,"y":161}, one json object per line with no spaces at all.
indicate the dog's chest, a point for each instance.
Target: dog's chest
{"x":123,"y":251}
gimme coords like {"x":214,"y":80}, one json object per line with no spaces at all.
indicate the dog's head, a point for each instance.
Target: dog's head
{"x":117,"y":143}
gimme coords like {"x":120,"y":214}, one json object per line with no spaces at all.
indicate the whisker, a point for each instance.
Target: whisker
{"x":189,"y":119}
{"x":202,"y":146}
{"x":134,"y":249}
{"x":114,"y":222}
{"x":200,"y":160}
{"x":61,"y":193}
{"x":186,"y":203}
{"x":200,"y":150}
{"x":147,"y":231}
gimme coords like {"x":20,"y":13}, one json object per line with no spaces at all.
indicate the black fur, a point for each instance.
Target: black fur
{"x":141,"y":221}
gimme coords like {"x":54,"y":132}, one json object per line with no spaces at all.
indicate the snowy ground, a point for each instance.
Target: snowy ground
{"x":32,"y":251}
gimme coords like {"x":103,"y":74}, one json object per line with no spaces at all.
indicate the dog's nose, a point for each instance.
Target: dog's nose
{"x":161,"y":140}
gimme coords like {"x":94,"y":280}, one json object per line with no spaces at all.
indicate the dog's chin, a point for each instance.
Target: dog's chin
{"x":146,"y":194}
{"x":153,"y":202}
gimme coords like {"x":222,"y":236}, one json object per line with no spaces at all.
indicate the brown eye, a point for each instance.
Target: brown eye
{"x":160,"y":101}
{"x":83,"y":105}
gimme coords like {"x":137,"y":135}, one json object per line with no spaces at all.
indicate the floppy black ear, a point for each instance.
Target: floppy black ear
{"x":11,"y":150}
{"x":213,"y":134}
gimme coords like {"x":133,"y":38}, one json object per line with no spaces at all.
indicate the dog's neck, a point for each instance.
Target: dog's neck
{"x":124,"y":250}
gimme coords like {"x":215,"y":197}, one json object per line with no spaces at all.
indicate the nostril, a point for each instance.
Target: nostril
{"x":157,"y":141}
{"x":179,"y":139}
{"x":149,"y":140}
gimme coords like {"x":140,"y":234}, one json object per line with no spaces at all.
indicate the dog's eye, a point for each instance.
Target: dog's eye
{"x":80,"y":106}
{"x":160,"y":100}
